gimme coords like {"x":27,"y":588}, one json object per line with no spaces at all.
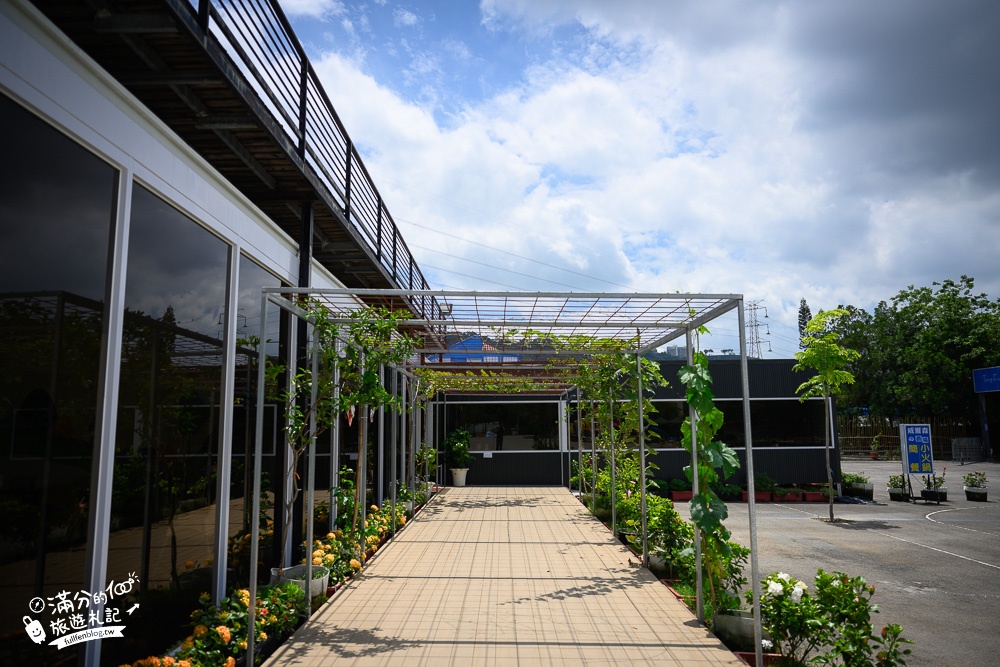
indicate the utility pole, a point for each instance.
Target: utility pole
{"x":753,"y":330}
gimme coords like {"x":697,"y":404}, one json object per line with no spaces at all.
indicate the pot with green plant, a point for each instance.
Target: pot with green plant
{"x":763,"y":486}
{"x":787,"y":494}
{"x":897,"y":488}
{"x":680,"y":489}
{"x":857,"y":485}
{"x":934,"y":488}
{"x":975,"y":486}
{"x":457,"y":450}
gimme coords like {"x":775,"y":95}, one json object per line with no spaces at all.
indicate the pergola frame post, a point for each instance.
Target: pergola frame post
{"x":699,"y":584}
{"x":751,"y":505}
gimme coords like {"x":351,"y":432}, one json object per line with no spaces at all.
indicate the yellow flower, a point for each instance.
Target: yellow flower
{"x":374,"y":508}
{"x":329,"y":559}
{"x":330,"y":536}
{"x":317,"y":561}
{"x":317,"y":553}
{"x":374,"y":548}
{"x":243,"y":644}
{"x":200,"y":630}
{"x":327,"y":548}
{"x":263,"y":636}
{"x":188,"y":644}
{"x":356,"y":564}
{"x":204,"y":598}
{"x":338,"y":533}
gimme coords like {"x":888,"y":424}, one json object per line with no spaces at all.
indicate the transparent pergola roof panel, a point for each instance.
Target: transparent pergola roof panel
{"x":526,"y":322}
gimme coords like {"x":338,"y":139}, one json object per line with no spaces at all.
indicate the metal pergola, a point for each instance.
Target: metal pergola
{"x":522,"y":328}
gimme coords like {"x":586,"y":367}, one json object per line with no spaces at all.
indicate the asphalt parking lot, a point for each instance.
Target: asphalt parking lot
{"x":936,"y":568}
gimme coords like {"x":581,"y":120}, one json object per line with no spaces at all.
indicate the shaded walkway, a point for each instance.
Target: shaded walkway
{"x":503,"y":576}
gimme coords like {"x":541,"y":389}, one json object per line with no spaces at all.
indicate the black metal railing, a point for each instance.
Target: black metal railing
{"x":260,"y":42}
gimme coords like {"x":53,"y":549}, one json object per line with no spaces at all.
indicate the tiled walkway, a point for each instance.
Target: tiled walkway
{"x":503,"y":576}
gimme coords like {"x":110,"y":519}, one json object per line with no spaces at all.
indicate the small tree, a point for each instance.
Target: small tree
{"x":805,"y":314}
{"x":823,"y":354}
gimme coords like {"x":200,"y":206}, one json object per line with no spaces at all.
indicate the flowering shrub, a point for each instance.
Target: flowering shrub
{"x":897,"y":482}
{"x":836,"y":617}
{"x":975,"y":479}
{"x":219,"y":632}
{"x":932,"y":481}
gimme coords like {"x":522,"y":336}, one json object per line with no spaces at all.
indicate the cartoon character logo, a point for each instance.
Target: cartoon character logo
{"x":34,"y":630}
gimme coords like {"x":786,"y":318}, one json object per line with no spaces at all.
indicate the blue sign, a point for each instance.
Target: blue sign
{"x":918,"y":458}
{"x":986,"y":379}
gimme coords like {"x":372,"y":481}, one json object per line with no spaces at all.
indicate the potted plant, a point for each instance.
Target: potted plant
{"x":815,"y":494}
{"x":784,"y":494}
{"x":873,"y":448}
{"x":857,"y":485}
{"x":680,"y":489}
{"x":934,"y":488}
{"x":457,"y":450}
{"x":897,"y":488}
{"x":975,"y":486}
{"x":763,"y":486}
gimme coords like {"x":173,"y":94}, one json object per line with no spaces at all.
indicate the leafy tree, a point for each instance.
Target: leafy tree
{"x":805,"y":314}
{"x":824,"y":354}
{"x":918,"y":351}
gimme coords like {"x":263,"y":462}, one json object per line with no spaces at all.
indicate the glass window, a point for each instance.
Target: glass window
{"x":56,"y":211}
{"x":506,"y":426}
{"x":252,"y":278}
{"x":163,"y":494}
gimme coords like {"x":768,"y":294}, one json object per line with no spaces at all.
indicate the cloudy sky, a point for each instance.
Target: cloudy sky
{"x":832,"y":151}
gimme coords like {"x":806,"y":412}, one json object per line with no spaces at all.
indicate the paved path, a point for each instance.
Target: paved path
{"x":503,"y":576}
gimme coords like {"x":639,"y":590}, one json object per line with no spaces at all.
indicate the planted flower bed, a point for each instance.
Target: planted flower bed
{"x":219,"y":632}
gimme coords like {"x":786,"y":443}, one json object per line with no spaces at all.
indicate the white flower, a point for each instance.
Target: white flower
{"x":783,"y":576}
{"x":836,"y":583}
{"x":774,"y":588}
{"x":766,"y":645}
{"x":802,"y":585}
{"x":796,"y":595}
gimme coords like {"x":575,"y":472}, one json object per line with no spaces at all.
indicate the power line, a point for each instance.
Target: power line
{"x":507,"y":252}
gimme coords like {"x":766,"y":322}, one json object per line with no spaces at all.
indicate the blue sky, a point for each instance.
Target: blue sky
{"x":836,"y":152}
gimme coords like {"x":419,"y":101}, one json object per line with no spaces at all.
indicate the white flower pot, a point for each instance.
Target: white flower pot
{"x":977,"y":493}
{"x":458,"y":475}
{"x":297,"y":575}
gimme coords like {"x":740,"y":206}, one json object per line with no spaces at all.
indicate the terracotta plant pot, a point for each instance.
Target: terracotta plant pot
{"x":814,"y":496}
{"x":793,"y":497}
{"x":681,"y":495}
{"x":758,"y":496}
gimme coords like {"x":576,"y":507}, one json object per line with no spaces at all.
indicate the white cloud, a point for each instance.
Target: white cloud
{"x":672,"y":151}
{"x":404,"y":18}
{"x":318,"y":9}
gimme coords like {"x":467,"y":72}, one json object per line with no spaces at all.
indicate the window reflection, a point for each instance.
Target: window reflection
{"x":56,"y":208}
{"x":251,"y":279}
{"x":163,"y":493}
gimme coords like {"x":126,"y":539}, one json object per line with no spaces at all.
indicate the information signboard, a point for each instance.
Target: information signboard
{"x":915,"y":440}
{"x":985,"y":380}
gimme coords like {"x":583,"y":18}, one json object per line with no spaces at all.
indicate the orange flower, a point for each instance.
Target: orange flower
{"x":224,"y":633}
{"x":167,"y":661}
{"x":200,"y":630}
{"x":230,"y":661}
